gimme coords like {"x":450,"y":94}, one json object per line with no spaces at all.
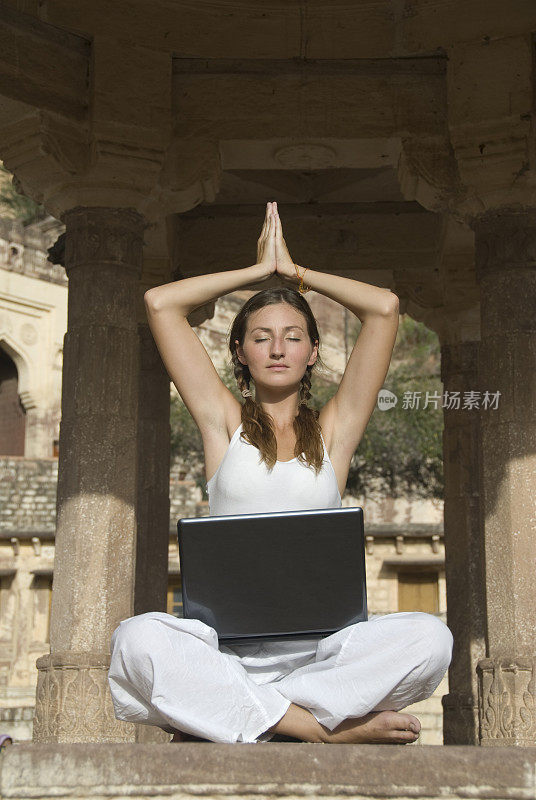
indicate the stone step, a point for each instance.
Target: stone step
{"x":282,"y":770}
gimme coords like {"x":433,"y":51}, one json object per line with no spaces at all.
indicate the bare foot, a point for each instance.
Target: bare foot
{"x":377,"y":727}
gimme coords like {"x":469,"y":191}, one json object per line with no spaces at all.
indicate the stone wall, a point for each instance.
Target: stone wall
{"x":23,"y":249}
{"x":33,"y":321}
{"x":28,"y":493}
{"x":185,"y":498}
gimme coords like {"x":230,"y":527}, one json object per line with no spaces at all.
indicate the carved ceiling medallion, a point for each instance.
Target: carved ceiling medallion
{"x":306,"y":156}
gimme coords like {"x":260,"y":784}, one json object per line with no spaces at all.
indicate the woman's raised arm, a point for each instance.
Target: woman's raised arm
{"x":188,"y":364}
{"x":345,"y":416}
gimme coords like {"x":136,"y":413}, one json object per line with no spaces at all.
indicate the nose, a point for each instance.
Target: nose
{"x":277,"y":349}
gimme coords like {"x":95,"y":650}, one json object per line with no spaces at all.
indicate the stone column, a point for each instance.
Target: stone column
{"x":464,"y":557}
{"x":153,"y":439}
{"x":152,"y":540}
{"x":153,"y":478}
{"x":97,"y":493}
{"x":505,"y":250}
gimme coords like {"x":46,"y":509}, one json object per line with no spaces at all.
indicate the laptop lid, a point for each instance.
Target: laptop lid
{"x":286,"y":575}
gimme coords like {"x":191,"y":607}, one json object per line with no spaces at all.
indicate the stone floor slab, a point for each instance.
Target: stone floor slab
{"x":268,"y":770}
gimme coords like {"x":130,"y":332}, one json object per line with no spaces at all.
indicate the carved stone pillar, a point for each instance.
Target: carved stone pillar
{"x":505,"y":242}
{"x":97,"y":493}
{"x":464,"y":558}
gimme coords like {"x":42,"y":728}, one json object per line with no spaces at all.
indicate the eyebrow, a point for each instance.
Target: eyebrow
{"x":287,"y":328}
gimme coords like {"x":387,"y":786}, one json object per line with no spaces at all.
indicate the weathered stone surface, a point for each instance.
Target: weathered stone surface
{"x":507,"y":692}
{"x":43,"y":65}
{"x":73,"y":701}
{"x":97,"y":483}
{"x":152,"y":540}
{"x":464,"y":556}
{"x":338,"y":237}
{"x":506,"y":265}
{"x":490,"y":100}
{"x":269,"y":770}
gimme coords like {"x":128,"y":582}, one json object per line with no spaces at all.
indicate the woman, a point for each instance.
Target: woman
{"x":273,"y":453}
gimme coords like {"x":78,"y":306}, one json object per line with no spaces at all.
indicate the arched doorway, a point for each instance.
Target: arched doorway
{"x":12,"y":413}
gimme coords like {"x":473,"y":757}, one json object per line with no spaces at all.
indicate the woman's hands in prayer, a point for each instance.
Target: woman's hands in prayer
{"x":272,"y":250}
{"x":284,"y":263}
{"x":266,"y":256}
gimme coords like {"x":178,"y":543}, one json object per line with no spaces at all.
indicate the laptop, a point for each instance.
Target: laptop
{"x":274,"y":576}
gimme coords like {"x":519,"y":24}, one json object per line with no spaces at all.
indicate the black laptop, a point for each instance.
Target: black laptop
{"x":274,"y":577}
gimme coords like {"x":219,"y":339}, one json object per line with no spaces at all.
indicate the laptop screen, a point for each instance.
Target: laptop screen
{"x":256,"y":577}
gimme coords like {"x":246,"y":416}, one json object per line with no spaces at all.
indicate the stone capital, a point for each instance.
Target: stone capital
{"x":447,"y":302}
{"x":59,"y":164}
{"x":490,"y":102}
{"x":71,"y":141}
{"x":98,"y":235}
{"x":427,"y":172}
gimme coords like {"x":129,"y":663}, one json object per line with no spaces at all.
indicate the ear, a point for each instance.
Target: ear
{"x":314,"y":355}
{"x":240,"y":353}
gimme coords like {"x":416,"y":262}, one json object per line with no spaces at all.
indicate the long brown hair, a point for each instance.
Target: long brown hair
{"x":257,"y":428}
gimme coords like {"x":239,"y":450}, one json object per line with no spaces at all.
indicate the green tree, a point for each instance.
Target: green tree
{"x":401,"y":449}
{"x":17,"y":205}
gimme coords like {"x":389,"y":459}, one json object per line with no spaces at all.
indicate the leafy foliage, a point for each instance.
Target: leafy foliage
{"x":17,"y":205}
{"x":401,"y":449}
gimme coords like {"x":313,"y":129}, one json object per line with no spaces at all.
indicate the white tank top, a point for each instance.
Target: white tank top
{"x":242,"y":484}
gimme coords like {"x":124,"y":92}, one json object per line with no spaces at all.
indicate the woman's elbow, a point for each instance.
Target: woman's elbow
{"x":393,"y":304}
{"x":150,"y":298}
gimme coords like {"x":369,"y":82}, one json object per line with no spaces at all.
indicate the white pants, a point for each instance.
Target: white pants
{"x":169,"y":672}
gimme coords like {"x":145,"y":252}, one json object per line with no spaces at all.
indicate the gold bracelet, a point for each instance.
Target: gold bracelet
{"x":301,"y":288}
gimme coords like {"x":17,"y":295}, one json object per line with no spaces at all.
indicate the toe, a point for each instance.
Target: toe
{"x":406,"y":736}
{"x":409,"y":722}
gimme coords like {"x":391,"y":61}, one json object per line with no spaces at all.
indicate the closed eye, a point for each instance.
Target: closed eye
{"x":290,"y":339}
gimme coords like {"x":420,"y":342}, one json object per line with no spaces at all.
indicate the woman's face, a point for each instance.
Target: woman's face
{"x":277,"y":335}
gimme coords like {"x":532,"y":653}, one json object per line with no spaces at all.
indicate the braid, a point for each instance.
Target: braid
{"x":306,"y":424}
{"x":242,"y":375}
{"x":305,"y":393}
{"x":250,"y":409}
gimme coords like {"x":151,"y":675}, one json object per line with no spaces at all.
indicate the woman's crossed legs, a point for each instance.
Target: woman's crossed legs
{"x":170,"y":672}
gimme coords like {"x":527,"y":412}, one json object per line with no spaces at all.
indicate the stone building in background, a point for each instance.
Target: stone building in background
{"x":404,"y":545}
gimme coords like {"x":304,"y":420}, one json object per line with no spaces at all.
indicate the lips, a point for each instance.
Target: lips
{"x":278,"y":366}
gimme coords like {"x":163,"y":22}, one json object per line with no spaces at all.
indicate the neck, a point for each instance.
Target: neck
{"x":282,"y":410}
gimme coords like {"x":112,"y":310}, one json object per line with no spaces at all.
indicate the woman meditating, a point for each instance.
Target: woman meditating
{"x":273,"y":453}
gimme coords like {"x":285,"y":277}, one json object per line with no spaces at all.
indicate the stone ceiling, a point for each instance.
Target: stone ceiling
{"x":379,"y":127}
